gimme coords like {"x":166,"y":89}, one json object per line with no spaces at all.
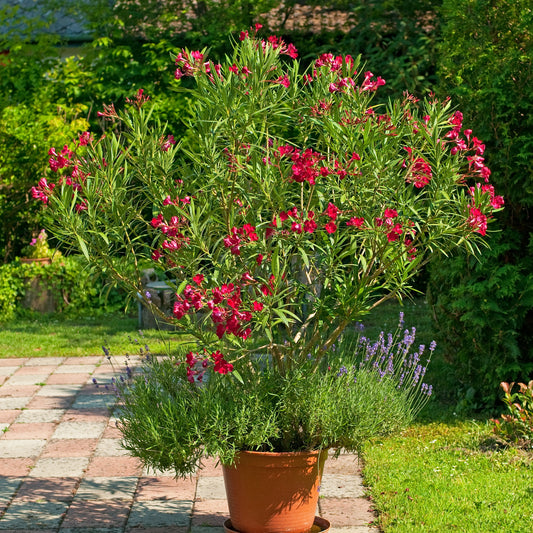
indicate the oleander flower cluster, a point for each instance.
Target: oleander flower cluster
{"x":295,"y":205}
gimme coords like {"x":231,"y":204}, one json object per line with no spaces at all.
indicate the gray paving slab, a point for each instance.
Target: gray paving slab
{"x":44,"y":361}
{"x":207,"y":529}
{"x":47,"y":467}
{"x":25,"y":379}
{"x":21,"y":448}
{"x":7,"y":370}
{"x":92,"y":530}
{"x":8,"y":487}
{"x":353,"y":529}
{"x":110,"y":448}
{"x":79,"y":430}
{"x":107,"y":488}
{"x":211,"y":488}
{"x":14,"y":403}
{"x":30,"y":516}
{"x":59,"y":391}
{"x":40,"y":415}
{"x":160,"y":513}
{"x":75,"y":369}
{"x":94,"y":401}
{"x":341,"y":486}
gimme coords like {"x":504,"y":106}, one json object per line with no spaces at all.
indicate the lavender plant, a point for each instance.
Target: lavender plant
{"x":361,"y":389}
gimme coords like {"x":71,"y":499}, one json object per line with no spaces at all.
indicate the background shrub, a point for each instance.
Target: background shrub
{"x":484,"y":308}
{"x":75,"y":289}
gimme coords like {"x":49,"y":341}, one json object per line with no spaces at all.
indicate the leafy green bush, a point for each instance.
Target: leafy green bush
{"x":75,"y":289}
{"x":485,"y":309}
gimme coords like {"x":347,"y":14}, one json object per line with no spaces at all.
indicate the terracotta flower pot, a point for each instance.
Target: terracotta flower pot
{"x":274,"y":492}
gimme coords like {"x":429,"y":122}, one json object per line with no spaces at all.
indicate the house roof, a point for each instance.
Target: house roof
{"x":27,"y":18}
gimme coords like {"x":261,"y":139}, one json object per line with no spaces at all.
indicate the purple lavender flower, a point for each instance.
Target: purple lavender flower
{"x":342,"y":370}
{"x":401,"y":322}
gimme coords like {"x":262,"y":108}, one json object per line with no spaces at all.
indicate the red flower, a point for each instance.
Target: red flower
{"x":332,"y":211}
{"x":331,"y":227}
{"x":357,"y":222}
{"x":198,"y":279}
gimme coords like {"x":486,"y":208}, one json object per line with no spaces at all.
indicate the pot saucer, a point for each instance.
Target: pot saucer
{"x":320,"y":525}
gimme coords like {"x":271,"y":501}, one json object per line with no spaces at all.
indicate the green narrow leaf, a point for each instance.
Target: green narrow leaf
{"x":83,"y":247}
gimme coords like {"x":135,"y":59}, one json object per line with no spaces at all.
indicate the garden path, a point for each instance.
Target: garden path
{"x":62,"y":468}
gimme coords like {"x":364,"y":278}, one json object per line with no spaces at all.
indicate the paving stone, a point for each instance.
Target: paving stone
{"x":9,"y":415}
{"x":353,"y":529}
{"x":112,"y":431}
{"x":75,"y":369}
{"x":344,"y":464}
{"x":166,"y":529}
{"x":18,"y":391}
{"x":165,"y":488}
{"x":67,"y":379}
{"x":14,"y":403}
{"x":8,"y":487}
{"x":34,"y":370}
{"x":107,"y":488}
{"x":79,"y":430}
{"x":57,"y":489}
{"x":207,"y":529}
{"x":30,"y":516}
{"x":90,"y":360}
{"x":343,"y":512}
{"x":341,"y":486}
{"x":114,"y":467}
{"x":210,"y":513}
{"x":210,"y":468}
{"x":40,"y":415}
{"x":100,"y":514}
{"x":16,"y":467}
{"x":158,"y":513}
{"x":47,"y":467}
{"x":34,"y":430}
{"x":210,"y":488}
{"x":69,"y":448}
{"x":50,"y":402}
{"x":31,"y":379}
{"x":87,"y":415}
{"x":59,"y":391}
{"x":44,"y":361}
{"x":12,"y":361}
{"x":93,"y":401}
{"x":91,"y":530}
{"x":21,"y":448}
{"x":110,"y":448}
{"x":7,"y":370}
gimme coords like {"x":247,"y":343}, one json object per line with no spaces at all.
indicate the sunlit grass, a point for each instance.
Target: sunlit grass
{"x":450,"y":477}
{"x":56,"y":336}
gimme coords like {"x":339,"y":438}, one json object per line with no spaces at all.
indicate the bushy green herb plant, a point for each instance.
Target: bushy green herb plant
{"x":363,"y":388}
{"x":517,"y":425}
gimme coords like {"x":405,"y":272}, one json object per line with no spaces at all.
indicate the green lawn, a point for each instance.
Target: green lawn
{"x":441,"y":477}
{"x":55,"y":336}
